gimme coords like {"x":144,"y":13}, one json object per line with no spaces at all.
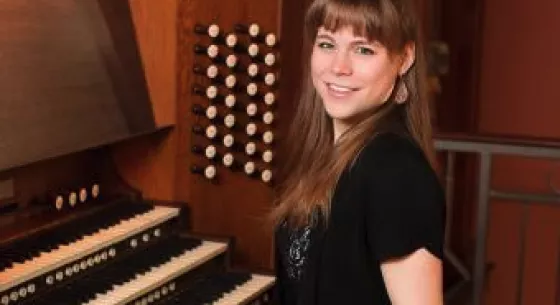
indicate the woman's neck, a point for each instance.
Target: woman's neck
{"x":339,"y":127}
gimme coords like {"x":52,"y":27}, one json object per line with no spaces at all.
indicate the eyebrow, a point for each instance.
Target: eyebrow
{"x":358,"y":41}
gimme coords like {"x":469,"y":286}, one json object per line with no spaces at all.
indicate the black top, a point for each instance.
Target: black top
{"x":388,"y":204}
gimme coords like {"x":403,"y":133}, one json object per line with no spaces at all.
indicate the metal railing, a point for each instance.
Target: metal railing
{"x":486,"y":148}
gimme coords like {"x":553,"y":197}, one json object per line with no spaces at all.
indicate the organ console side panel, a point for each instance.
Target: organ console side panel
{"x":149,"y":164}
{"x":232,"y":202}
{"x":156,"y":30}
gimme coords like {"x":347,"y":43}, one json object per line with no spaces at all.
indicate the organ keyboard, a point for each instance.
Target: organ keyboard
{"x":126,"y":252}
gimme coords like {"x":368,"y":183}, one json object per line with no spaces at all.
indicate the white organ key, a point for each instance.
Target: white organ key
{"x":248,"y":290}
{"x":64,"y":254}
{"x":144,"y":283}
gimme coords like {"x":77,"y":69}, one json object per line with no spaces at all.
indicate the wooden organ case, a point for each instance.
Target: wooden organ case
{"x":137,"y":156}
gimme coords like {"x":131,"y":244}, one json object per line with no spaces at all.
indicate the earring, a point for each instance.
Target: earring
{"x":402,"y":93}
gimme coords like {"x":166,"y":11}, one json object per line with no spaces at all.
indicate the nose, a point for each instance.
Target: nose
{"x":341,"y":63}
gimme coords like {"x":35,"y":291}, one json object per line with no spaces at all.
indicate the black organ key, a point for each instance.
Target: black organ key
{"x":213,"y":288}
{"x":112,"y":275}
{"x":23,"y":250}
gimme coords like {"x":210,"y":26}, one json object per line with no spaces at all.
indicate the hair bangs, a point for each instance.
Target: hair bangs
{"x":369,"y":19}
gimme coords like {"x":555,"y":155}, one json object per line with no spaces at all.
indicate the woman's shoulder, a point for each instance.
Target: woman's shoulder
{"x":392,"y":150}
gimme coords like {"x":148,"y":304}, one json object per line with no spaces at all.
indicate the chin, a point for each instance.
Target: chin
{"x":339,"y":114}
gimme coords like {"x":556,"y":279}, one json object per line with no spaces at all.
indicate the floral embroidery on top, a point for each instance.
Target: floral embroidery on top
{"x":297,"y":251}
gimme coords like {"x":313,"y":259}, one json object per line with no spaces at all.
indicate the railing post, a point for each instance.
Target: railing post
{"x":481,"y":227}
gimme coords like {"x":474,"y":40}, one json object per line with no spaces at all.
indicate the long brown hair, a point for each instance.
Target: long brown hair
{"x":314,"y":162}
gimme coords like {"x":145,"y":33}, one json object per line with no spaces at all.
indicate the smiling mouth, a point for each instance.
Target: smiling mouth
{"x":339,"y":88}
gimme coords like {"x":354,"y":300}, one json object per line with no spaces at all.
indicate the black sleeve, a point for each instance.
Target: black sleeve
{"x":405,"y":204}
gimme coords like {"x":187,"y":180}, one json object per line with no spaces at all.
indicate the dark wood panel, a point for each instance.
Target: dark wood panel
{"x":65,"y":86}
{"x":155,"y":23}
{"x":149,"y":163}
{"x":35,"y":186}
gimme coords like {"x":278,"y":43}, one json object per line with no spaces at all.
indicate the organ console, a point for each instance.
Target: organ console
{"x":154,"y":209}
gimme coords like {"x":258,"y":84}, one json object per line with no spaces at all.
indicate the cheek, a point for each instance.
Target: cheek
{"x":380,"y":77}
{"x":316,"y":68}
{"x":319,"y":62}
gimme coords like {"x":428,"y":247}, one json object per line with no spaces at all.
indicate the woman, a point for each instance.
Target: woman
{"x":360,"y":214}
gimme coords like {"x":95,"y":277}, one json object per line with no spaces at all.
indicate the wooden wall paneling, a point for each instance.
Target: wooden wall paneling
{"x":148,"y":163}
{"x":236,"y":205}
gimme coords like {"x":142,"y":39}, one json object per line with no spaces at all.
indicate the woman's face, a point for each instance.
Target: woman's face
{"x":351,"y":74}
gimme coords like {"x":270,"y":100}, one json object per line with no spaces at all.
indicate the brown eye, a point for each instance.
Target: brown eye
{"x":365,"y":51}
{"x":325,"y":45}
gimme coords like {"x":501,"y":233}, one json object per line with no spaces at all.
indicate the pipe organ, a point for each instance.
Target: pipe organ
{"x":142,"y":167}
